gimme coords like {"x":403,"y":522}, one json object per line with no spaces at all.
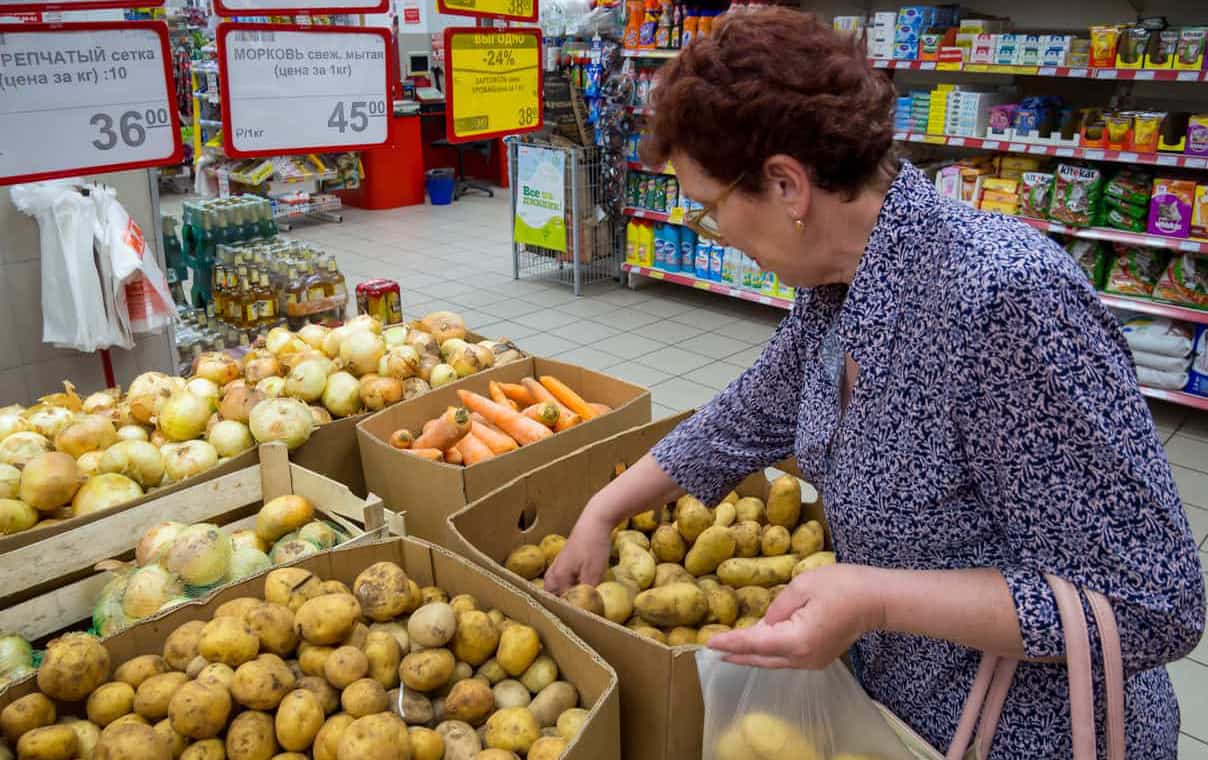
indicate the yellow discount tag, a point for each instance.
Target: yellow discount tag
{"x":513,"y":10}
{"x":493,"y":83}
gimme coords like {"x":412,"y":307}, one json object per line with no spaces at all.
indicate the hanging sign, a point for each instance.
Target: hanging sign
{"x":510,"y":10}
{"x":302,"y":89}
{"x":492,"y":83}
{"x":296,"y":7}
{"x":8,"y":7}
{"x":540,"y":218}
{"x":85,"y":98}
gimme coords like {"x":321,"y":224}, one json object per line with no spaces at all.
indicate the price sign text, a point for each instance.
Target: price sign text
{"x":512,"y":10}
{"x":493,"y":83}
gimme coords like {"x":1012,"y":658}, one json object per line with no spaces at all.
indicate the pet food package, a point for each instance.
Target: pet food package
{"x":1035,"y":194}
{"x":1093,"y":257}
{"x":1170,"y":207}
{"x":1156,"y":378}
{"x":1199,"y":212}
{"x":1197,"y":381}
{"x":1135,"y":271}
{"x":1185,"y":281}
{"x":1077,"y":194}
{"x":1160,"y":362}
{"x":1157,"y":335}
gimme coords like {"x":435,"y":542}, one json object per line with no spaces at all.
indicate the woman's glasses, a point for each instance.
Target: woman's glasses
{"x":702,"y":222}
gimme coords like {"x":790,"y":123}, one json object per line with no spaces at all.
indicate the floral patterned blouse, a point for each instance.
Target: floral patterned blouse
{"x":995,"y":422}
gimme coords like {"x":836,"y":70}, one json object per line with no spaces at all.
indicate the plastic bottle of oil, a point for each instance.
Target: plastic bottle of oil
{"x":266,"y":303}
{"x":237,"y":311}
{"x":317,"y":286}
{"x":339,"y":287}
{"x":218,"y":289}
{"x":294,"y":291}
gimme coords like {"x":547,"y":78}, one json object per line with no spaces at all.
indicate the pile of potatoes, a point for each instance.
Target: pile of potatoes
{"x":762,"y":736}
{"x":681,"y":574}
{"x":385,"y":670}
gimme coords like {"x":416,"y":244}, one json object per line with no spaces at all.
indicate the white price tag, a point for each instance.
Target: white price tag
{"x":1127,"y":158}
{"x":957,"y":141}
{"x":1188,"y":76}
{"x":1046,"y":71}
{"x":991,"y":144}
{"x":302,"y":89}
{"x":1017,"y":147}
{"x":1168,"y":161}
{"x":927,"y":66}
{"x":1065,"y":152}
{"x":1094,"y":155}
{"x":1188,"y":245}
{"x":1144,"y":76}
{"x":1195,"y":163}
{"x":1078,"y":73}
{"x":880,"y":63}
{"x":83,"y":100}
{"x":1107,"y":74}
{"x":1041,"y":149}
{"x":9,"y":7}
{"x":295,"y":7}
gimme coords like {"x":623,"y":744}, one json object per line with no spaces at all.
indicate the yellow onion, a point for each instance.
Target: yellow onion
{"x":246,"y":561}
{"x":16,"y":516}
{"x":89,"y":463}
{"x":423,"y":342}
{"x":103,"y":492}
{"x":101,"y":401}
{"x":256,"y":370}
{"x":289,"y":549}
{"x":272,"y":387}
{"x":155,"y":542}
{"x":205,"y":388}
{"x":277,"y":339}
{"x":200,"y":555}
{"x":230,"y":438}
{"x":11,"y":409}
{"x":450,"y":347}
{"x":333,"y":339}
{"x":15,"y":654}
{"x":395,"y":336}
{"x":120,"y":415}
{"x":108,"y":616}
{"x":158,"y":439}
{"x":365,"y":322}
{"x":12,"y":423}
{"x":18,"y":448}
{"x":89,"y":433}
{"x":378,"y":392}
{"x":313,"y":335}
{"x":444,"y":325}
{"x":281,"y":419}
{"x":470,"y":359}
{"x":503,"y":351}
{"x":248,"y":537}
{"x":214,"y":419}
{"x":132,"y":433}
{"x":441,"y":374}
{"x":183,"y":416}
{"x":10,"y":481}
{"x":342,"y":395}
{"x":49,"y":481}
{"x":399,"y":362}
{"x":138,"y":460}
{"x":306,"y":381}
{"x":319,"y":533}
{"x":426,"y":363}
{"x":148,"y":590}
{"x":186,"y":459}
{"x":360,"y":352}
{"x":415,"y":386}
{"x":321,"y":416}
{"x":237,"y":403}
{"x":147,"y":394}
{"x":218,"y":367}
{"x":50,"y":420}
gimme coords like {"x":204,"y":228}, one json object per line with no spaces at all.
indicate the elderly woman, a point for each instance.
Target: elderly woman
{"x":979,"y":426}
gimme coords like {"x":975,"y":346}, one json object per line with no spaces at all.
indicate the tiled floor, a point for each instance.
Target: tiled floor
{"x":683,"y":344}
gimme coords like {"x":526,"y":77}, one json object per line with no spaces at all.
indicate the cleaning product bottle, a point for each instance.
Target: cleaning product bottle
{"x":636,"y":12}
{"x":687,"y":250}
{"x":659,"y":243}
{"x":717,"y":255}
{"x":650,"y":23}
{"x":677,"y":26}
{"x":648,"y":259}
{"x":662,"y":36}
{"x":701,"y":260}
{"x":631,"y":241}
{"x":691,"y":24}
{"x":671,"y":253}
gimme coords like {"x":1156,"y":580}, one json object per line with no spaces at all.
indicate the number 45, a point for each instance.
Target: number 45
{"x":357,"y":120}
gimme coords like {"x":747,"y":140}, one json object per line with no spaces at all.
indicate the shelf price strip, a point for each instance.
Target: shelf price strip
{"x":302,"y":89}
{"x":13,"y":7}
{"x":84,"y":99}
{"x":493,"y":83}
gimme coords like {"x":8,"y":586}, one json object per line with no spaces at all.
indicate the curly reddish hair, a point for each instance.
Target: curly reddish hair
{"x":774,"y":81}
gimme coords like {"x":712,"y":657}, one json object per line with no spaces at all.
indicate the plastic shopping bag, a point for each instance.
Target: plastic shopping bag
{"x":144,"y":303}
{"x":762,"y":714}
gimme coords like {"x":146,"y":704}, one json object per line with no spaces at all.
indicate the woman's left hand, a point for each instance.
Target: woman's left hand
{"x":811,"y":623}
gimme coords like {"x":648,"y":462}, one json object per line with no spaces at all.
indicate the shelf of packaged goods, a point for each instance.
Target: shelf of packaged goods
{"x":663,"y":54}
{"x":691,"y":281}
{"x":1036,"y":149}
{"x":1119,"y":236}
{"x":667,"y":170}
{"x":1176,"y":397}
{"x":1058,"y":72}
{"x":675,"y":217}
{"x":1157,"y":308}
{"x":639,"y":110}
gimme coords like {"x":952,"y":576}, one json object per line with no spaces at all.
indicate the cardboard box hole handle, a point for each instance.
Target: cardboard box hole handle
{"x":528,"y":519}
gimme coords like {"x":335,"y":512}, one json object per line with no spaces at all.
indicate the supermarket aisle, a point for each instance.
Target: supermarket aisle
{"x":681,"y":343}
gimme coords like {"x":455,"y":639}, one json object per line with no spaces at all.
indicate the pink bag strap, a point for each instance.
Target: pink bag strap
{"x":988,"y":694}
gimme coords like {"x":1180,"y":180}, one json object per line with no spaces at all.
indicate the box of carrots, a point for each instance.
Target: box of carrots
{"x":434,"y":454}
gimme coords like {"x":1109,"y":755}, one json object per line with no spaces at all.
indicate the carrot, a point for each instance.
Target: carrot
{"x":618,"y":468}
{"x":473,"y":450}
{"x":566,"y":418}
{"x":518,"y":393}
{"x":453,"y":456}
{"x":497,"y":441}
{"x":448,"y":430}
{"x":600,"y":408}
{"x":510,"y":421}
{"x":498,"y":396}
{"x":568,"y":398}
{"x":401,"y":438}
{"x":545,"y":412}
{"x":434,"y":455}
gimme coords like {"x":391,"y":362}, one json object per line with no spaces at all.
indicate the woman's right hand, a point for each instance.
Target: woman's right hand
{"x":584,"y":558}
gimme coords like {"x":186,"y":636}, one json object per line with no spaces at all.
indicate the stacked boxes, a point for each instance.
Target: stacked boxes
{"x":937,"y":112}
{"x":880,"y":34}
{"x":968,"y":112}
{"x":913,"y":21}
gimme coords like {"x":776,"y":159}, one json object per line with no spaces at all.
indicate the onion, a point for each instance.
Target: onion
{"x":248,"y":537}
{"x":360,"y":352}
{"x":89,"y":433}
{"x":365,"y":322}
{"x":342,"y":396}
{"x":103,"y":492}
{"x":237,"y":403}
{"x":272,"y":387}
{"x":423,"y":342}
{"x":16,"y":516}
{"x":230,"y":438}
{"x":89,"y":463}
{"x":11,"y":409}
{"x":108,"y":617}
{"x":18,"y":448}
{"x":200,"y":555}
{"x":214,"y":419}
{"x":120,"y":415}
{"x":426,"y":363}
{"x":320,"y":415}
{"x":333,"y":339}
{"x":158,"y":439}
{"x":217,"y":366}
{"x":306,"y":381}
{"x":150,"y":382}
{"x":187,"y":459}
{"x":281,"y":419}
{"x":50,"y":420}
{"x":378,"y":392}
{"x":395,"y":336}
{"x":504,"y":351}
{"x":138,"y":460}
{"x":257,"y":369}
{"x":291,"y":548}
{"x":15,"y":652}
{"x":415,"y":386}
{"x":444,"y":325}
{"x":132,"y":433}
{"x":442,"y":374}
{"x":399,"y":362}
{"x":320,"y":534}
{"x":205,"y":388}
{"x":148,"y":589}
{"x":279,"y":340}
{"x":451,"y":346}
{"x":246,"y":561}
{"x":101,"y":401}
{"x":313,"y":335}
{"x":183,"y":416}
{"x":471,"y":359}
{"x":49,"y":481}
{"x":10,"y":481}
{"x":12,"y":423}
{"x":147,"y":394}
{"x":155,"y":542}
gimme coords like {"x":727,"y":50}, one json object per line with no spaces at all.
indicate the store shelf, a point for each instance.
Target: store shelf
{"x":662,"y":54}
{"x":1176,"y":397}
{"x":675,"y":217}
{"x":667,"y":170}
{"x":691,"y":281}
{"x":1058,"y":72}
{"x":639,"y":110}
{"x":1037,"y":149}
{"x":1157,"y":308}
{"x":1119,"y":236}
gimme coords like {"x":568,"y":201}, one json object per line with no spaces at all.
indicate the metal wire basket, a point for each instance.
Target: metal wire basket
{"x":591,"y":253}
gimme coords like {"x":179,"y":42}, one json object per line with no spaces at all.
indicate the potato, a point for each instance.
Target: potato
{"x":181,"y":645}
{"x":397,"y":630}
{"x":470,"y":701}
{"x":109,"y":702}
{"x":518,"y":647}
{"x":511,"y":693}
{"x":332,"y":586}
{"x":672,"y":605}
{"x":383,"y":655}
{"x":364,"y":697}
{"x":552,"y":701}
{"x":432,"y":625}
{"x":291,"y":587}
{"x":328,"y":697}
{"x":750,"y":508}
{"x":648,"y":521}
{"x":327,"y":741}
{"x":668,"y":572}
{"x":216,"y":673}
{"x":651,"y":633}
{"x":667,"y":544}
{"x":210,"y":749}
{"x":551,"y":547}
{"x":327,"y":619}
{"x":681,"y":636}
{"x":723,"y":605}
{"x":815,"y":560}
{"x":725,"y":515}
{"x":132,"y":741}
{"x":492,"y":671}
{"x":461,"y":672}
{"x":228,"y":640}
{"x":128,"y":718}
{"x":312,"y":659}
{"x":357,"y":636}
{"x":415,"y":710}
{"x":175,"y":740}
{"x":757,"y":571}
{"x":748,"y":536}
{"x":345,"y":665}
{"x":571,"y":722}
{"x":262,"y":683}
{"x":73,"y":666}
{"x":618,"y":601}
{"x":808,"y":538}
{"x":274,"y":625}
{"x":540,"y":674}
{"x":714,"y":546}
{"x":299,"y":718}
{"x":251,"y":736}
{"x":547,"y":748}
{"x":636,"y":564}
{"x":745,"y":622}
{"x":514,"y":729}
{"x":691,"y":517}
{"x":153,"y":696}
{"x":237,"y":607}
{"x":427,"y":670}
{"x":87,"y":736}
{"x":527,"y":561}
{"x":784,"y":501}
{"x":139,"y":669}
{"x":775,"y":540}
{"x":196,"y":665}
{"x":753,"y":601}
{"x":461,"y":741}
{"x":494,"y":754}
{"x":770,"y":737}
{"x":464,"y":603}
{"x":199,"y":711}
{"x":426,"y":744}
{"x":291,"y":756}
{"x":500,"y":620}
{"x":57,"y":742}
{"x":429,"y":594}
{"x":383,"y":591}
{"x":375,"y":737}
{"x":709,"y":631}
{"x":637,"y":538}
{"x":476,"y":638}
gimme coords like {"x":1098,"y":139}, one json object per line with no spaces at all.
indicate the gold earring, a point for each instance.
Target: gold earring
{"x":800,"y":225}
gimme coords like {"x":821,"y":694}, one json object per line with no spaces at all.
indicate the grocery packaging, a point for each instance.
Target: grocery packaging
{"x":1158,"y":335}
{"x":1197,"y":381}
{"x":1135,"y":271}
{"x":1093,"y":257}
{"x":1185,"y":281}
{"x":1170,"y":207}
{"x":1077,"y":192}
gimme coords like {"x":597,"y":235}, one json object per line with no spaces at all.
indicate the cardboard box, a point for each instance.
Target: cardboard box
{"x":662,"y":712}
{"x":431,"y":491}
{"x":50,"y":585}
{"x":427,"y":565}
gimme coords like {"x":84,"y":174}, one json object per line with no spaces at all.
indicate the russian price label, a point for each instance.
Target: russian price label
{"x":511,"y":10}
{"x":493,"y":83}
{"x":296,"y":7}
{"x":296,"y":89}
{"x":9,"y":7}
{"x":85,"y":99}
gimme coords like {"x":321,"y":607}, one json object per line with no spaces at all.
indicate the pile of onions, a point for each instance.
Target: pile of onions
{"x":306,"y":381}
{"x":50,"y":420}
{"x":183,"y":460}
{"x":49,"y":481}
{"x":248,"y":537}
{"x":230,"y":437}
{"x":342,"y":395}
{"x":156,"y":541}
{"x":147,"y":394}
{"x":360,"y":352}
{"x":218,"y":366}
{"x":415,"y":386}
{"x":19,"y":448}
{"x":137,"y":460}
{"x":205,"y":388}
{"x":471,"y":358}
{"x":444,"y":325}
{"x":399,"y":362}
{"x":12,"y":423}
{"x":282,"y":419}
{"x":148,"y":589}
{"x":16,"y":516}
{"x":289,"y":549}
{"x":16,"y":657}
{"x":320,"y":534}
{"x":184,"y":416}
{"x":246,"y":561}
{"x":10,"y":481}
{"x":378,"y":392}
{"x":320,"y":415}
{"x":89,"y":433}
{"x":255,"y":370}
{"x":237,"y":403}
{"x":132,"y":433}
{"x":272,"y":387}
{"x":441,"y":374}
{"x":422,"y":342}
{"x":89,"y":463}
{"x":395,"y":336}
{"x":104,"y":491}
{"x":313,"y":335}
{"x":101,"y":401}
{"x":200,"y":555}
